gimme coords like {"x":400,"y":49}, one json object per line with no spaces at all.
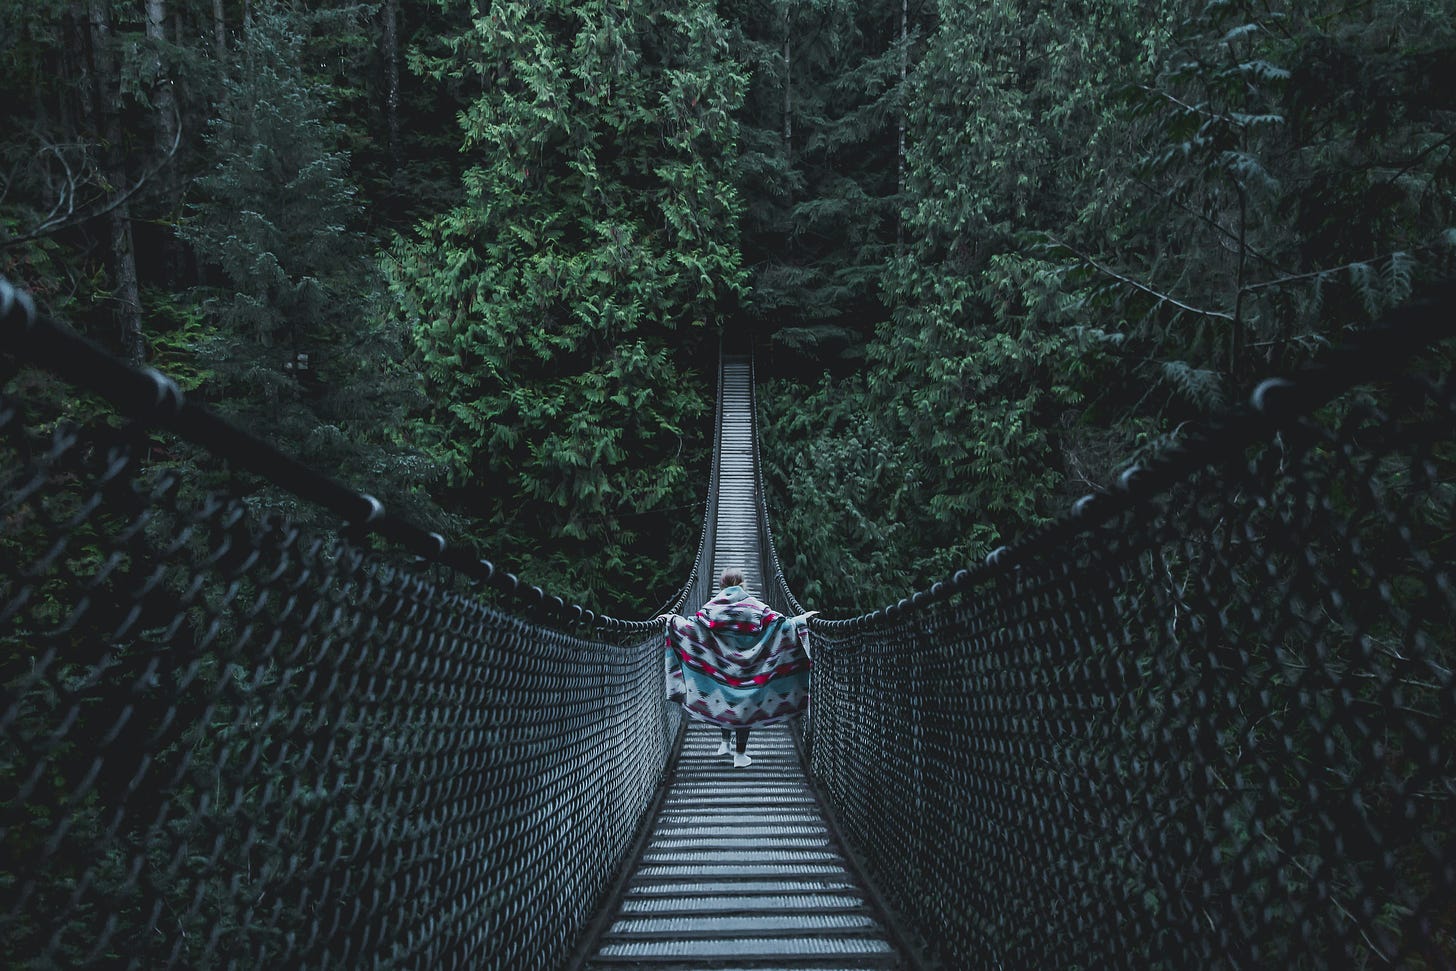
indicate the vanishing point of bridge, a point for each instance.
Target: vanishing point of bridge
{"x":1207,"y":719}
{"x":741,"y":864}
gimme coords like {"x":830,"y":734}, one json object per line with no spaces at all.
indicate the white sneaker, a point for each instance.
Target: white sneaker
{"x":739,"y":761}
{"x":722,"y":749}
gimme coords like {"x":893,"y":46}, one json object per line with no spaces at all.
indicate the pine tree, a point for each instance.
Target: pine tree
{"x":1299,"y":157}
{"x":985,"y":363}
{"x":74,"y":159}
{"x":1118,"y":214}
{"x":556,"y":309}
{"x":819,"y":167}
{"x":293,"y":343}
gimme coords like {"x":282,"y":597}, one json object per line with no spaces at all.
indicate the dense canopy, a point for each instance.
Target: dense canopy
{"x":478,"y":256}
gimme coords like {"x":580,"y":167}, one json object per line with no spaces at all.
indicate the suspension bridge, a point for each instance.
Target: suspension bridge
{"x":1206,"y":720}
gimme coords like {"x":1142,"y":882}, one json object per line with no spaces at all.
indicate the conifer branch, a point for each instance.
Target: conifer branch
{"x":1326,"y":271}
{"x":1139,"y":285}
{"x":1195,"y":109}
{"x":1217,"y":226}
{"x":1416,"y":160}
{"x":56,"y":221}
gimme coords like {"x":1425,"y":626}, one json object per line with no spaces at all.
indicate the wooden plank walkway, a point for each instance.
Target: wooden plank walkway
{"x":742,"y":872}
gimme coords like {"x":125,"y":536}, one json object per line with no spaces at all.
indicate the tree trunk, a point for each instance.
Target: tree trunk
{"x":105,"y":104}
{"x":391,"y":77}
{"x":900,"y":149}
{"x":76,"y":63}
{"x":128,"y":292}
{"x":164,"y":99}
{"x":788,"y":89}
{"x":163,"y":95}
{"x":1236,"y":334}
{"x":219,"y":27}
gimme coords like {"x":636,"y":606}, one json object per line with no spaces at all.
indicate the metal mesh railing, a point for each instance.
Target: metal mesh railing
{"x":227,"y":743}
{"x":1209,"y":721}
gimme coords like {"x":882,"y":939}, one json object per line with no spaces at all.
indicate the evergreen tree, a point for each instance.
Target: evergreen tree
{"x":293,"y":344}
{"x":1292,"y":176}
{"x":842,"y":515}
{"x":982,"y":367}
{"x":819,"y":163}
{"x":397,"y":125}
{"x":557,"y":307}
{"x":38,"y":107}
{"x":77,"y":154}
{"x":1119,"y":214}
{"x":1102,"y":219}
{"x":1005,"y":95}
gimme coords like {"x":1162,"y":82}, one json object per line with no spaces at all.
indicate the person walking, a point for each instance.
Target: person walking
{"x":737,"y":663}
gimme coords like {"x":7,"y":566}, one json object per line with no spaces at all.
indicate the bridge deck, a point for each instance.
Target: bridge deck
{"x":741,"y":871}
{"x":737,"y":527}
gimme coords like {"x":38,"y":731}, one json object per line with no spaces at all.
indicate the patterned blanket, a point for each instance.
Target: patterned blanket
{"x":737,"y":662}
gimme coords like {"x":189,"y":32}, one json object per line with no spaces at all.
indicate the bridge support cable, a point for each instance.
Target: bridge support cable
{"x":1207,"y":721}
{"x":226,"y":741}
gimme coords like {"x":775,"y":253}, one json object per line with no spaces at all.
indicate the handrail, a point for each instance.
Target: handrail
{"x":1205,"y":720}
{"x":155,"y":401}
{"x":292,"y":741}
{"x":699,"y":581}
{"x":1367,"y":355}
{"x":707,"y":582}
{"x":692,"y":590}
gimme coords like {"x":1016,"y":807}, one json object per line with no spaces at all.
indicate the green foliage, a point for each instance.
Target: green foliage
{"x":982,"y":371}
{"x":183,"y":328}
{"x":1118,"y":215}
{"x":819,"y":167}
{"x":1110,"y":218}
{"x":1292,"y":176}
{"x":557,"y":309}
{"x":298,"y":344}
{"x":844,"y":492}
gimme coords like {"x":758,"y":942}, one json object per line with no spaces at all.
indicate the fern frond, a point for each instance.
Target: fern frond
{"x":1366,"y":281}
{"x":1199,"y":385}
{"x":1399,"y":271}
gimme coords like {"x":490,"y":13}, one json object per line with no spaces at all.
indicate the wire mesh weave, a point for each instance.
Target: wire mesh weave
{"x":1217,"y":730}
{"x":230,"y":744}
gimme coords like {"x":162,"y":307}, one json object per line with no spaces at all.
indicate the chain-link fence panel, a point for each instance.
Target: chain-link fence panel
{"x":230,"y":743}
{"x":1210,"y":722}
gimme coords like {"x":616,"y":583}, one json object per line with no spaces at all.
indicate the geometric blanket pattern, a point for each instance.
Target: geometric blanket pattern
{"x":737,"y":662}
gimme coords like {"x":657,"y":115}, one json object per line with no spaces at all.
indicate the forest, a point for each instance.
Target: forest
{"x":478,"y":257}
